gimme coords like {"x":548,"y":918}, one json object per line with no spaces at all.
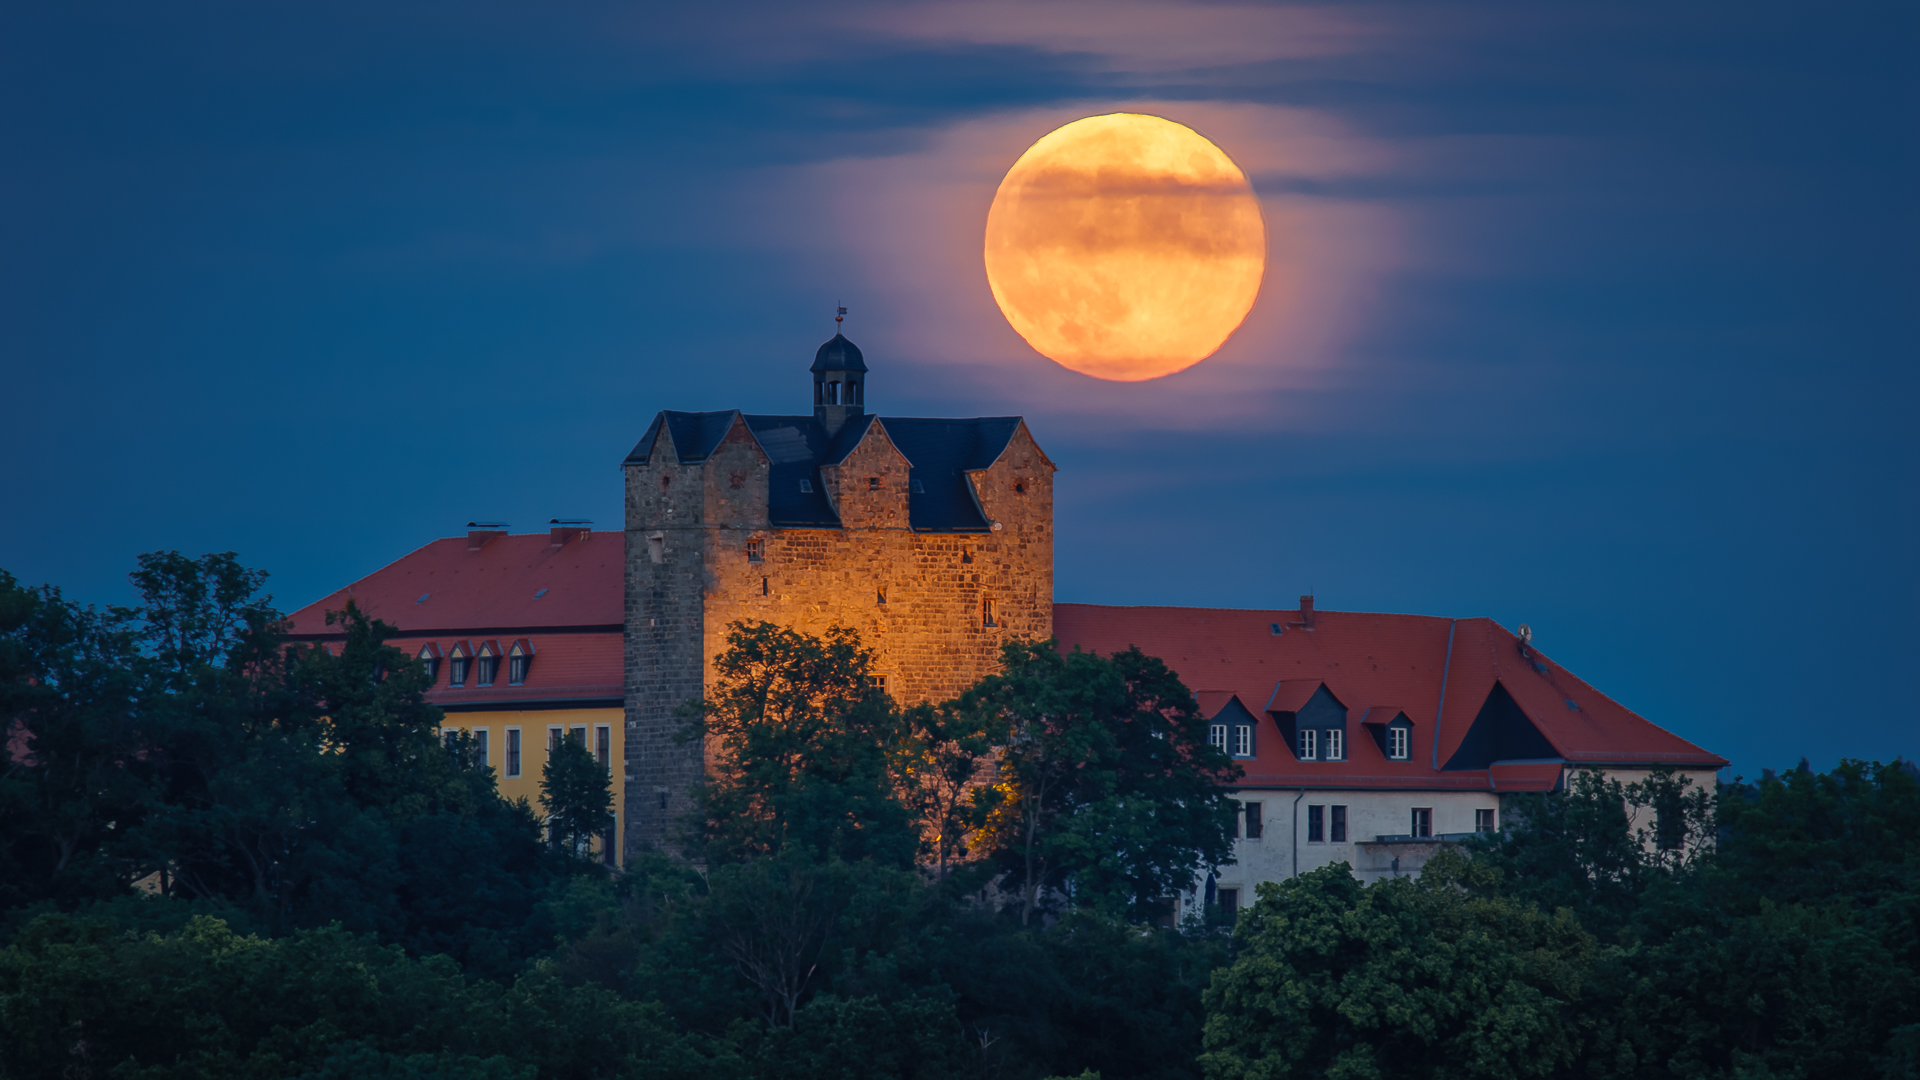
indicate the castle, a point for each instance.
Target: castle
{"x":1369,"y":738}
{"x":932,"y":538}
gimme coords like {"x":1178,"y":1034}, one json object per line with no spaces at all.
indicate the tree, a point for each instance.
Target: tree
{"x":74,"y":776}
{"x":948,"y":747}
{"x":806,"y":751}
{"x":1106,"y":784}
{"x":1405,"y":978}
{"x":1597,"y":846}
{"x":578,"y":795}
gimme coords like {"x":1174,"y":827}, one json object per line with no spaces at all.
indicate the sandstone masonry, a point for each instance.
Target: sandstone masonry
{"x":931,"y":538}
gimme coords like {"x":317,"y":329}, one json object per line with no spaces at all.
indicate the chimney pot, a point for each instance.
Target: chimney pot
{"x":480,"y":534}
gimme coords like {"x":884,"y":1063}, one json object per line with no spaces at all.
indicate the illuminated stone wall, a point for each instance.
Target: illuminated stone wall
{"x":918,"y":600}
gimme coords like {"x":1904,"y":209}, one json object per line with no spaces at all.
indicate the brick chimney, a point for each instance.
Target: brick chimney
{"x":559,"y":532}
{"x":480,"y":534}
{"x":1306,"y":612}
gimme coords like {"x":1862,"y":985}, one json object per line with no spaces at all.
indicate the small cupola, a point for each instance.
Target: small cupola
{"x":839,"y":383}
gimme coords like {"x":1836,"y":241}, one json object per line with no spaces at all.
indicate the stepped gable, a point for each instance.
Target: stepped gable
{"x":940,"y":453}
{"x":559,"y":591}
{"x":1381,"y":666}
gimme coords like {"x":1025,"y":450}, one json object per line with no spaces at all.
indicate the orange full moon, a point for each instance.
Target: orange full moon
{"x":1125,"y":246}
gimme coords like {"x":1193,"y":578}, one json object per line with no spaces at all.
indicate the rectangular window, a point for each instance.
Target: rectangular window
{"x":516,"y":670}
{"x":1309,"y":744}
{"x":756,"y":550}
{"x":806,"y":487}
{"x":603,"y":747}
{"x":1397,"y":743}
{"x":432,"y":664}
{"x":457,"y":671}
{"x":513,"y":751}
{"x":1229,"y":902}
{"x":579,"y":735}
{"x":553,"y":742}
{"x":480,"y":746}
{"x":989,"y":613}
{"x":1336,"y":740}
{"x":1483,"y":821}
{"x":1316,"y":824}
{"x":485,"y":670}
{"x":450,"y":738}
{"x":1243,"y":740}
{"x":873,"y":483}
{"x":1217,"y":737}
{"x":1337,"y":824}
{"x":1423,"y":821}
{"x":1254,"y":824}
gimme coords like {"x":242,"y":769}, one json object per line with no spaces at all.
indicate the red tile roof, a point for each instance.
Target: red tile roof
{"x":566,"y":601}
{"x":497,"y":588}
{"x":1368,"y":660}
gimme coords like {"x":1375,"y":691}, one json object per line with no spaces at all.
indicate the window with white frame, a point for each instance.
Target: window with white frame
{"x":1397,"y":743}
{"x":1336,"y":744}
{"x":513,"y":751}
{"x":1217,"y":737}
{"x":603,"y":746}
{"x":480,"y":746}
{"x":1309,"y":744}
{"x":1423,"y":821}
{"x":1243,"y":740}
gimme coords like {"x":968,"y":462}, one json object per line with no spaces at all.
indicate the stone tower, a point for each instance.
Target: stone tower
{"x":932,"y":538}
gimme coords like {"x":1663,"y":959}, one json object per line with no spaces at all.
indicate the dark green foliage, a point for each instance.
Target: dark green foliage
{"x":1407,"y":978}
{"x":806,"y":752}
{"x":577,"y":793}
{"x":185,"y":744}
{"x":1107,"y":786}
{"x":79,"y":998}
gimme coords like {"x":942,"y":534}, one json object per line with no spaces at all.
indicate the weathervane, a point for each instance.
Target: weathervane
{"x":839,"y":314}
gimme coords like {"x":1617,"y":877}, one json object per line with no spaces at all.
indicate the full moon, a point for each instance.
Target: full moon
{"x":1125,"y":246}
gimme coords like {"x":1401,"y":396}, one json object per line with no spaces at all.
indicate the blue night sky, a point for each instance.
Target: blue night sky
{"x":1603,"y":320}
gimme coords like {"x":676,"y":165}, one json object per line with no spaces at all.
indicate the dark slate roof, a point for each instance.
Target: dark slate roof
{"x":940,"y":453}
{"x":838,"y":355}
{"x":797,"y":446}
{"x":694,"y":434}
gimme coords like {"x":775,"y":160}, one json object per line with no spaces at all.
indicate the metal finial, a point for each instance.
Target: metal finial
{"x":839,"y":314}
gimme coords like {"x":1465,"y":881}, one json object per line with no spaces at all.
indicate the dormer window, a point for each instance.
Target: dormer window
{"x":1309,"y":744}
{"x":1243,"y":740}
{"x":1397,"y":740}
{"x":1336,"y":748}
{"x":487,"y":664}
{"x":1217,"y":737}
{"x":430,"y":659}
{"x":519,"y":659}
{"x":457,"y":660}
{"x":806,"y":486}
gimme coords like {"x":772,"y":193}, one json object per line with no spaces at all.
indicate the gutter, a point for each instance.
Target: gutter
{"x":1445,"y":670}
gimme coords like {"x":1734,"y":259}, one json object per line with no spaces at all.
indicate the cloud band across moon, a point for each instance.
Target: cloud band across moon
{"x":1125,"y":246}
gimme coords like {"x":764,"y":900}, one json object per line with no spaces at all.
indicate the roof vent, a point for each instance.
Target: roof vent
{"x":481,"y":533}
{"x":561,"y":530}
